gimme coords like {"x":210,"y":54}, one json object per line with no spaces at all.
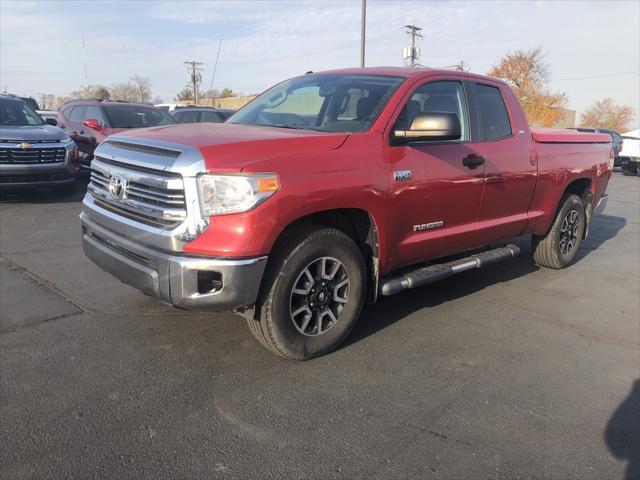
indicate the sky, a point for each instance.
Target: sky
{"x":593,"y":47}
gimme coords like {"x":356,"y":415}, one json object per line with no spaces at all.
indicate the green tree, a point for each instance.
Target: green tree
{"x":184,"y":94}
{"x":227,"y":92}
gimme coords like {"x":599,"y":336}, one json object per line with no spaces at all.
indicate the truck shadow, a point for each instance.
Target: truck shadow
{"x":389,"y":310}
{"x":603,"y":228}
{"x":622,"y":434}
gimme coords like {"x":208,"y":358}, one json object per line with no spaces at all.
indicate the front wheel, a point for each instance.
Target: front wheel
{"x":312,"y":295}
{"x":559,"y":246}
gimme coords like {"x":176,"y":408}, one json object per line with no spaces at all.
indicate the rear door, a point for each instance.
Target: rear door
{"x":510,"y":167}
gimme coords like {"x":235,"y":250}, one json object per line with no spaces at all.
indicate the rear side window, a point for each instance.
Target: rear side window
{"x":78,"y":114}
{"x":495,"y":119}
{"x":212,"y":117}
{"x":67,"y":113}
{"x":187,"y":117}
{"x":94,"y":113}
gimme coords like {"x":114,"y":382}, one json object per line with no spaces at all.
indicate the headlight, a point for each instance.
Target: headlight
{"x":223,"y":194}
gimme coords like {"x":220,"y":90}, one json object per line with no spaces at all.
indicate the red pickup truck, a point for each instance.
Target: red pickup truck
{"x":333,"y":188}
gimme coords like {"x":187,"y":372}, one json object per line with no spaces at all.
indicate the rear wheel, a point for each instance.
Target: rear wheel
{"x":312,"y":295}
{"x":629,"y":169}
{"x":559,"y":246}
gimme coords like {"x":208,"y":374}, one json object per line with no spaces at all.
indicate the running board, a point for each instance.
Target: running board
{"x":433,"y":273}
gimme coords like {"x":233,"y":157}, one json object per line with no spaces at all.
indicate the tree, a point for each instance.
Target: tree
{"x":99,"y":92}
{"x":125,"y":92}
{"x":143,"y":86}
{"x":184,"y":94}
{"x":606,"y":114}
{"x":226,"y":92}
{"x":136,"y":90}
{"x":528,"y":75}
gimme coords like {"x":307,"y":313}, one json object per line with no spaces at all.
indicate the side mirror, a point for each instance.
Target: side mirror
{"x":92,"y":123}
{"x":431,"y":127}
{"x":51,"y":121}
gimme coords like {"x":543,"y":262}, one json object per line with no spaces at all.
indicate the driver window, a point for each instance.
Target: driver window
{"x":436,"y":97}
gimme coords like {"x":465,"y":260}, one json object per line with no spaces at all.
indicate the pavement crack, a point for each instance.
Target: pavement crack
{"x":42,"y":283}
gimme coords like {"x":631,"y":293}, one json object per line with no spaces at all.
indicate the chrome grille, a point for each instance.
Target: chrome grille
{"x":151,"y":197}
{"x":32,"y":155}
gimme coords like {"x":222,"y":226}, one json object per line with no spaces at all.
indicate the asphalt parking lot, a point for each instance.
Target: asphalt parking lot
{"x":512,"y":372}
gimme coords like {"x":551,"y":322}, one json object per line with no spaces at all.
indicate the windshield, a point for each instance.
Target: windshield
{"x":17,"y":113}
{"x":136,"y":116}
{"x":324,"y":102}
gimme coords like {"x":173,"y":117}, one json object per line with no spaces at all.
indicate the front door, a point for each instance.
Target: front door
{"x":434,"y":197}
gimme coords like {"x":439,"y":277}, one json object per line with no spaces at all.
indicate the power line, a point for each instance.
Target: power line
{"x":597,"y":76}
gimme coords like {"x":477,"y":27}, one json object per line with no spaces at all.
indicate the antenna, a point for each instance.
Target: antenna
{"x":215,"y":65}
{"x":84,"y":59}
{"x":412,"y":53}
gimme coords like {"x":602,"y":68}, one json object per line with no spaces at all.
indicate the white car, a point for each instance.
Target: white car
{"x":170,"y":107}
{"x":630,"y":153}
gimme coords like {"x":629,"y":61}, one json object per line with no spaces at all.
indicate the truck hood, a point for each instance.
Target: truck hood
{"x":231,"y":147}
{"x":32,"y":133}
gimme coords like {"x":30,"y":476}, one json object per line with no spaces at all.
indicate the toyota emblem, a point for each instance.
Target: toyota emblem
{"x":117,"y":187}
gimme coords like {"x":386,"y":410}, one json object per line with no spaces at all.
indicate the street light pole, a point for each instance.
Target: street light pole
{"x":363,"y":23}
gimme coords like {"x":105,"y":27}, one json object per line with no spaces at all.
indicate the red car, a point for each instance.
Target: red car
{"x":331,"y":189}
{"x":89,"y":122}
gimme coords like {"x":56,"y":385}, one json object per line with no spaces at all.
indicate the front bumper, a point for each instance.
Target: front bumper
{"x":27,"y":175}
{"x":193,"y":283}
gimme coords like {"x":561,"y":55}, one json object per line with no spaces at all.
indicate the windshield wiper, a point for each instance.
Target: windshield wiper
{"x":290,"y":127}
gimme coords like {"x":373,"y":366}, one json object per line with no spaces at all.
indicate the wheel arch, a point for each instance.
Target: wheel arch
{"x":358,"y":224}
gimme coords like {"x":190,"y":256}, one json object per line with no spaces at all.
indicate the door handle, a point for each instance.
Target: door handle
{"x":472,"y":161}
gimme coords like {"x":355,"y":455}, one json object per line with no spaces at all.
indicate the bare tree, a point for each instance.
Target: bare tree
{"x":606,"y":114}
{"x":143,"y":86}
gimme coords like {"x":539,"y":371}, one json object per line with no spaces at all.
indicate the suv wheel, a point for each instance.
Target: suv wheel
{"x":312,"y":294}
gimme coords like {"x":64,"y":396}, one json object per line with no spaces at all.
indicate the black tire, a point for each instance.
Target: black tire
{"x":630,"y":170}
{"x":559,"y":246}
{"x":276,"y":325}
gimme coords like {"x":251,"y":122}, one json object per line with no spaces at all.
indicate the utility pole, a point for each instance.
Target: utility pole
{"x":194,"y":77}
{"x":413,"y":52}
{"x":43,"y":103}
{"x":363,"y":25}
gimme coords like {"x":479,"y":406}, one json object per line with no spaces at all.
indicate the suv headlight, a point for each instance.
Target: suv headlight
{"x":224,"y":194}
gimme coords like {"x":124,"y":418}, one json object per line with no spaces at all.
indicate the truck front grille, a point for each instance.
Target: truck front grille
{"x":32,"y":155}
{"x":148,"y":196}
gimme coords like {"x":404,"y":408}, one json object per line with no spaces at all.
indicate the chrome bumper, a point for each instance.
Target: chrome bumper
{"x":601,"y":205}
{"x":193,"y":283}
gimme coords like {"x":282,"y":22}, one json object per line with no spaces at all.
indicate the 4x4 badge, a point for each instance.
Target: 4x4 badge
{"x":402,"y":175}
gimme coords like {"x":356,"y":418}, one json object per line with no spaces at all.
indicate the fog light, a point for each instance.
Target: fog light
{"x":209,"y":282}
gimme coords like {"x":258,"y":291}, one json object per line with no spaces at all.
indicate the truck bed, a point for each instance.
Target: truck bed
{"x":563,"y":135}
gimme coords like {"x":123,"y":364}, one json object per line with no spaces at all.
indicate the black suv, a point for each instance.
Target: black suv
{"x":202,"y":115}
{"x":616,"y":139}
{"x":34,"y":152}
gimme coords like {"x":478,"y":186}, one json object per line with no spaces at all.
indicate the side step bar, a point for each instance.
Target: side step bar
{"x":433,"y":273}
